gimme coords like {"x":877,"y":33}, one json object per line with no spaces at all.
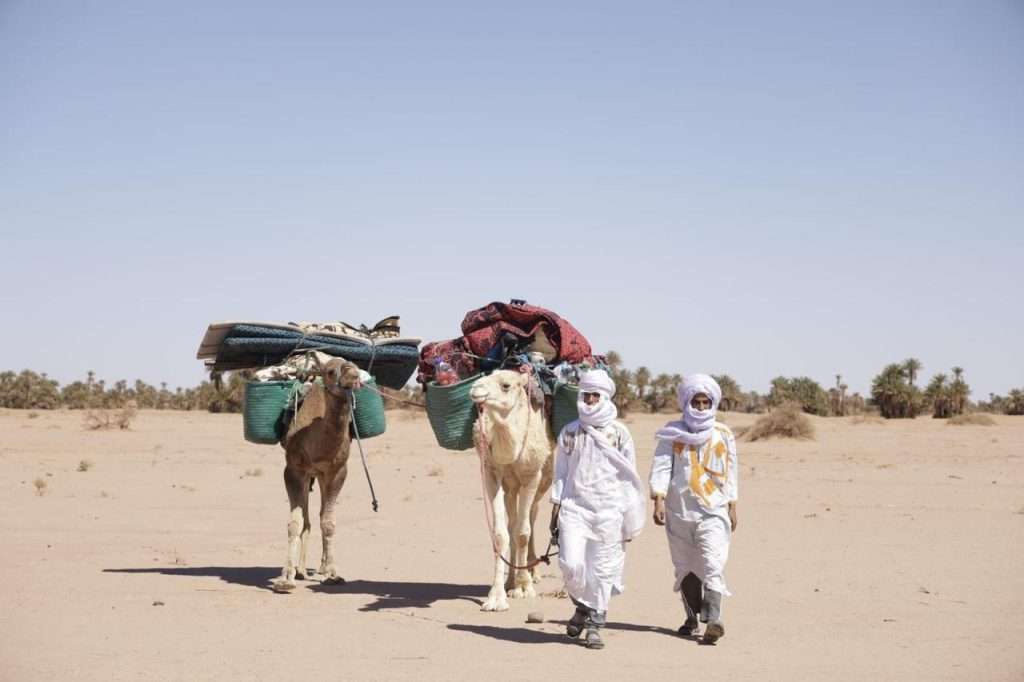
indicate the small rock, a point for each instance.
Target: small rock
{"x":535,"y":617}
{"x":158,"y":603}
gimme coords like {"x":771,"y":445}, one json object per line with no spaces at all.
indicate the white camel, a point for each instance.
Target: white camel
{"x":515,"y":447}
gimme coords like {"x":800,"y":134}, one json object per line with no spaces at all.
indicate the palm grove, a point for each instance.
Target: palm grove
{"x":896,"y":393}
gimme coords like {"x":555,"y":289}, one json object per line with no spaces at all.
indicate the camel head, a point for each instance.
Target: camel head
{"x":500,"y":391}
{"x":338,"y":375}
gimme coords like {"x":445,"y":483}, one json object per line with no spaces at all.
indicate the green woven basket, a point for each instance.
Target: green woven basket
{"x":262,"y":409}
{"x":451,"y":413}
{"x":368,"y":416}
{"x":563,"y":407}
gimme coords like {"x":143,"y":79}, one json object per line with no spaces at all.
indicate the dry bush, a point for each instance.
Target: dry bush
{"x":785,"y":421}
{"x":126,"y":415}
{"x":33,"y":415}
{"x":867,"y":419}
{"x":101,"y":419}
{"x":84,"y":465}
{"x":40,"y":484}
{"x":973,"y":419}
{"x":98,"y":420}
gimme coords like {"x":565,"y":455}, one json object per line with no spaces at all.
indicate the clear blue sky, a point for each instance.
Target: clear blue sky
{"x":796,"y":188}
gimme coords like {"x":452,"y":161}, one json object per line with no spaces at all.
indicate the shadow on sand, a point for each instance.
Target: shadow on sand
{"x":519,"y":635}
{"x":249,"y":576}
{"x":390,"y":595}
{"x":527,"y":636}
{"x":397,"y":595}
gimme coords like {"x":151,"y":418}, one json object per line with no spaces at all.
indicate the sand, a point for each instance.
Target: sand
{"x":878,"y":551}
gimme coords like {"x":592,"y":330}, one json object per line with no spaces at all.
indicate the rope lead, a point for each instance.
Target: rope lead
{"x":362,"y":455}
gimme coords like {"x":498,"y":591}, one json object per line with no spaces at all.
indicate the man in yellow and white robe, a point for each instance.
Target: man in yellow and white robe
{"x":695,"y":484}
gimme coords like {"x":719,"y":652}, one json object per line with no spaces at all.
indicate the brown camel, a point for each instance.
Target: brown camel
{"x":317,"y":445}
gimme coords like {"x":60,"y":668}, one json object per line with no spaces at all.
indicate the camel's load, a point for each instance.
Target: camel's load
{"x":287,"y":360}
{"x":513,"y":335}
{"x":380,"y":350}
{"x":275,"y":394}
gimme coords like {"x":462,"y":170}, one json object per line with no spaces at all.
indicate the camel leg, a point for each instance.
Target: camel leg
{"x":532,"y":553}
{"x":511,"y":514}
{"x":547,"y":473}
{"x":300,"y":565}
{"x":329,"y":491}
{"x":296,"y":484}
{"x":521,"y":538}
{"x":497,"y":599}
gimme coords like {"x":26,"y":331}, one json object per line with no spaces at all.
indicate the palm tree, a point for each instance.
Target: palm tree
{"x":959,"y":391}
{"x":624,"y":394}
{"x":642,"y":378}
{"x":661,"y":392}
{"x":892,"y":393}
{"x":912,"y":366}
{"x":731,"y":393}
{"x":1015,"y":402}
{"x":938,"y":394}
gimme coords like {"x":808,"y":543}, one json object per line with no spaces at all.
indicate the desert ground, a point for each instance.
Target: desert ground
{"x":885,"y":551}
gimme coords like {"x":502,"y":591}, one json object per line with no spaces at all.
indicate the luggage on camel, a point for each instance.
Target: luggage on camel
{"x":380,"y":350}
{"x":513,"y":335}
{"x":491,"y":333}
{"x":281,"y":354}
{"x":275,"y":394}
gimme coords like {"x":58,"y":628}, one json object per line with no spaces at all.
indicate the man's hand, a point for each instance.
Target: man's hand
{"x":553,"y":524}
{"x":659,"y":511}
{"x":732,"y":515}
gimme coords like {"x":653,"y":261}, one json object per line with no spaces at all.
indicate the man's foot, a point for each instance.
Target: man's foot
{"x":713,"y":612}
{"x":575,"y":625}
{"x":713,"y":632}
{"x":593,"y":640}
{"x":690,"y":628}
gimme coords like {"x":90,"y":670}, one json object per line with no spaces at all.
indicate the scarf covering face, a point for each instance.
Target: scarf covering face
{"x":603,"y":412}
{"x":696,"y":426}
{"x":594,"y":417}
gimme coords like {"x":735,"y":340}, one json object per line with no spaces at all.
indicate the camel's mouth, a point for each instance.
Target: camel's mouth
{"x":478,"y":394}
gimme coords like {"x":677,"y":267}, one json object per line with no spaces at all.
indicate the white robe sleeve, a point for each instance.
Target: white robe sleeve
{"x":661,"y":468}
{"x":626,"y":447}
{"x":561,"y":471}
{"x":733,"y":491}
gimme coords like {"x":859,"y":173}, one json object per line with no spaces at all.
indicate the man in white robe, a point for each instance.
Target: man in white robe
{"x":695,"y":484}
{"x":599,"y":505}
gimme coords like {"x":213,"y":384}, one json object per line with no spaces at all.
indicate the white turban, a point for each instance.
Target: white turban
{"x":695,"y":427}
{"x":699,"y":383}
{"x":604,"y":411}
{"x":597,"y":381}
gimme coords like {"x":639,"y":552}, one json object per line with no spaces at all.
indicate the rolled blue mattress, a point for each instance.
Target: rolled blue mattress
{"x":247,"y":346}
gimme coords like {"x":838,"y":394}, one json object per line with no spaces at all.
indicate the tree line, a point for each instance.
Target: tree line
{"x":895,"y":393}
{"x":37,"y":391}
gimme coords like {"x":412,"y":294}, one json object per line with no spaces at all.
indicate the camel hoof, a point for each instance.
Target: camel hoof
{"x":495,"y":605}
{"x":283,"y":586}
{"x":333,"y":580}
{"x":522,"y":592}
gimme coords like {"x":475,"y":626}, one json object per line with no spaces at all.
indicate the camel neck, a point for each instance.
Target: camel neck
{"x":336,"y":411}
{"x":508,"y":432}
